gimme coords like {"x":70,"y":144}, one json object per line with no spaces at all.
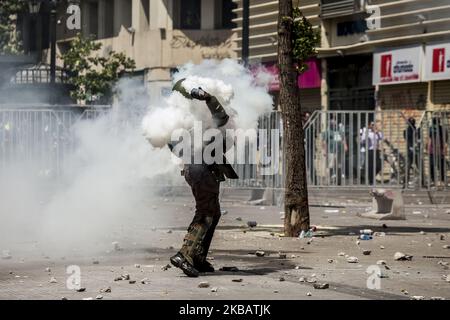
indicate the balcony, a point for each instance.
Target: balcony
{"x":338,"y":8}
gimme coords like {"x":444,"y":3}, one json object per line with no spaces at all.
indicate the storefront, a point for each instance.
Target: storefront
{"x":437,"y":71}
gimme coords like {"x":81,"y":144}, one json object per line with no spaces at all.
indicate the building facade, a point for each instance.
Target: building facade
{"x":385,"y":54}
{"x":158,"y":34}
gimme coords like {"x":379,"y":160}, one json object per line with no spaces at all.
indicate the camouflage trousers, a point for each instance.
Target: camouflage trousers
{"x":205,"y":189}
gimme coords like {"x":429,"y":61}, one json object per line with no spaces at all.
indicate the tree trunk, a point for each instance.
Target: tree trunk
{"x":296,"y":193}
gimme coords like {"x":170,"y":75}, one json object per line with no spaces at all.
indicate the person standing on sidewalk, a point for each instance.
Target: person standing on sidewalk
{"x":371,"y":139}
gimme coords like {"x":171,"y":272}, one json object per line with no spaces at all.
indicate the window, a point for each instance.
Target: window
{"x":109,"y":19}
{"x":351,"y":27}
{"x":93,"y":18}
{"x":224,"y":14}
{"x":187,"y":14}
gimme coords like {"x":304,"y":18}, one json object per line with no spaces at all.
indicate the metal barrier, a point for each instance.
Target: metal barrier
{"x":39,"y":137}
{"x":343,"y":148}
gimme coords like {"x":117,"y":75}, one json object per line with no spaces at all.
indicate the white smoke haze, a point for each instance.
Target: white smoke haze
{"x":234,"y":86}
{"x":107,"y":176}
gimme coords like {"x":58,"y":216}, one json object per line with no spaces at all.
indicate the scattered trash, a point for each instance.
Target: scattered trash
{"x":437,"y":298}
{"x":237,"y":280}
{"x":53,"y":280}
{"x":302,"y":279}
{"x":330,"y":260}
{"x":145,"y":281}
{"x":48,"y":270}
{"x":260,"y":253}
{"x":132,"y":281}
{"x":223,"y":212}
{"x":422,"y":232}
{"x":384,"y":226}
{"x":381,"y":262}
{"x":252,"y":224}
{"x":214,"y":289}
{"x":352,"y":260}
{"x":311,"y":280}
{"x":64,"y":298}
{"x":417,"y":298}
{"x":358,"y":242}
{"x":137,"y":265}
{"x":446,"y":246}
{"x":169,"y":231}
{"x":309,"y":294}
{"x":82,"y":289}
{"x":365,"y":237}
{"x":95,"y":262}
{"x":442,"y":237}
{"x":404,"y":292}
{"x":381,"y":247}
{"x":321,"y":286}
{"x":367,"y":252}
{"x":203,"y":284}
{"x":89,"y":298}
{"x":400,"y":256}
{"x":99,"y":297}
{"x":238,"y":219}
{"x":307,"y":234}
{"x":379,"y":234}
{"x":368,"y":232}
{"x":281,"y":255}
{"x":331,"y":210}
{"x":282,"y":279}
{"x":341,"y":254}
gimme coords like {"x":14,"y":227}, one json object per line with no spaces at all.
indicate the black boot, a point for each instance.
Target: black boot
{"x":180,"y":261}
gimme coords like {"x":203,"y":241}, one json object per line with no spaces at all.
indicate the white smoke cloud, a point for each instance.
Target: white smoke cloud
{"x":234,"y":86}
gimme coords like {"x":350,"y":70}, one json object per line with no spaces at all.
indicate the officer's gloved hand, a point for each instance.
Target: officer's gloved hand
{"x":200,"y":94}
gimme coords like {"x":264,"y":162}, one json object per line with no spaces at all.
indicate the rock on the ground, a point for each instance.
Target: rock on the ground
{"x":321,"y":286}
{"x":203,"y":284}
{"x":53,"y":280}
{"x":260,"y":253}
{"x":214,"y":289}
{"x":99,"y":297}
{"x":400,"y":256}
{"x":82,"y":289}
{"x":237,"y":280}
{"x":417,"y":298}
{"x":367,"y":252}
{"x":166,"y":267}
{"x":106,"y":290}
{"x":352,"y":260}
{"x":309,"y":294}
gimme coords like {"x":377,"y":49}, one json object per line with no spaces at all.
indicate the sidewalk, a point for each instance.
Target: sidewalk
{"x":146,"y":247}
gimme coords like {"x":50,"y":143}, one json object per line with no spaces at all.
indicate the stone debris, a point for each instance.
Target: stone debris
{"x":442,"y":237}
{"x":381,"y":247}
{"x":106,"y":290}
{"x":64,"y":298}
{"x":447,"y":278}
{"x":443,"y":263}
{"x":302,"y":279}
{"x":352,"y":260}
{"x":422,"y":232}
{"x":311,"y":280}
{"x":404,"y":292}
{"x":214,"y":289}
{"x":169,"y":231}
{"x":400,"y":256}
{"x":367,"y":252}
{"x":379,"y":234}
{"x":341,"y":254}
{"x":281,"y":255}
{"x":260,"y":253}
{"x":282,"y":279}
{"x":330,"y":260}
{"x":166,"y":267}
{"x":252,"y":224}
{"x":238,"y":219}
{"x":446,"y":246}
{"x":321,"y":286}
{"x":145,"y":281}
{"x":237,"y":280}
{"x":116,"y":246}
{"x":132,"y":281}
{"x":89,"y":298}
{"x":275,"y":291}
{"x":381,"y":262}
{"x":309,"y":294}
{"x":437,"y":298}
{"x":82,"y":289}
{"x":223,"y":212}
{"x":417,"y":298}
{"x":53,"y":280}
{"x":95,"y":262}
{"x":137,"y":265}
{"x":203,"y":284}
{"x":48,"y":270}
{"x":99,"y":297}
{"x":125,"y":276}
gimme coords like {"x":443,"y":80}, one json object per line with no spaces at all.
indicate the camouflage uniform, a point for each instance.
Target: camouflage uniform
{"x":204,"y":181}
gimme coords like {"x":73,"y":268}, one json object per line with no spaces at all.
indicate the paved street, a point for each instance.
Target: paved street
{"x":145,"y":246}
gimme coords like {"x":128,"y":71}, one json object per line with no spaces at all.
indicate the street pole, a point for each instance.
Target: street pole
{"x":245,"y":31}
{"x":52,"y":42}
